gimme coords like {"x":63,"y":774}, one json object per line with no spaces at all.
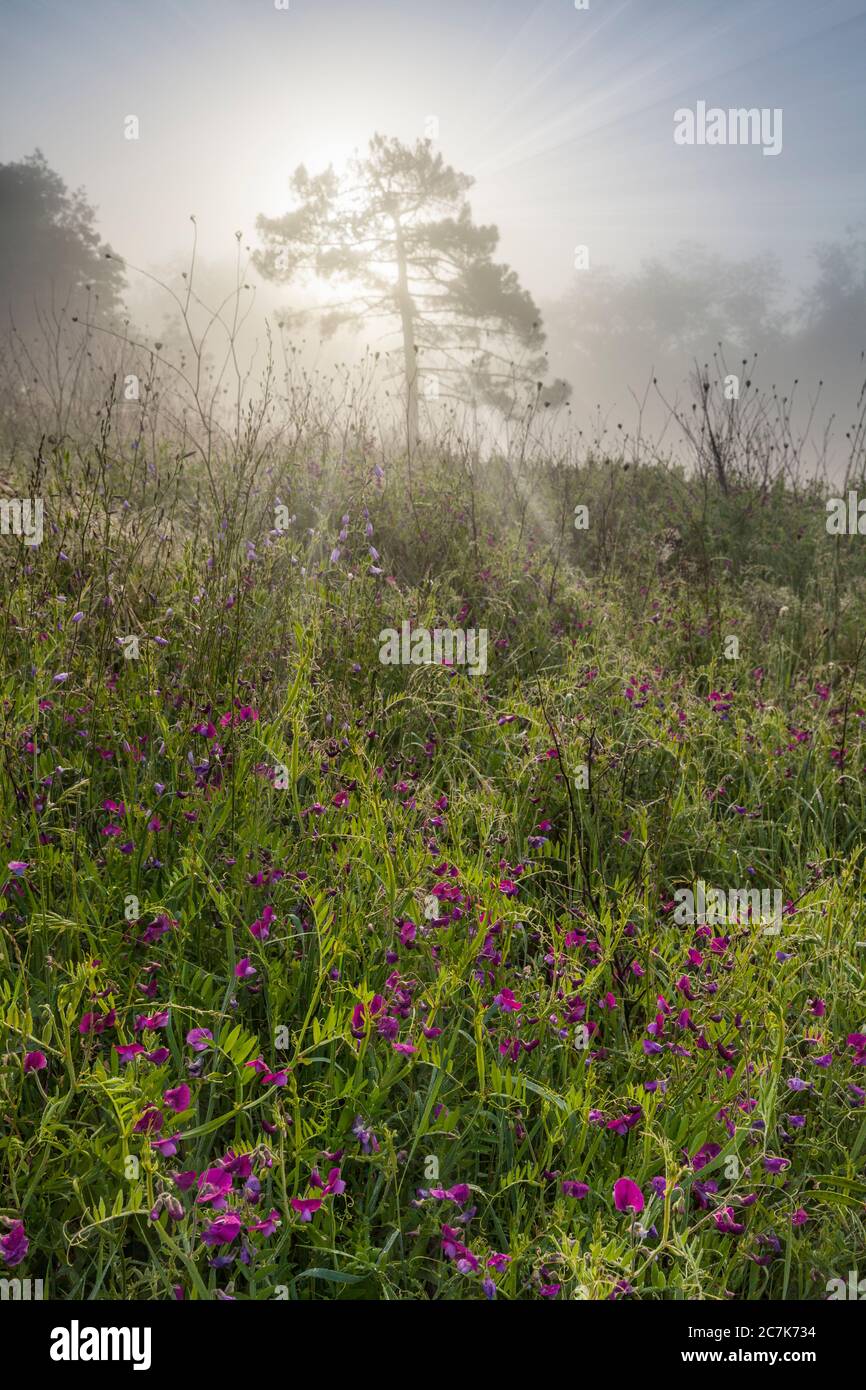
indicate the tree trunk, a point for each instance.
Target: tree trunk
{"x":410,"y":356}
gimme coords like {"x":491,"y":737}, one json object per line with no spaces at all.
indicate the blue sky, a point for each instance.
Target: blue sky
{"x":564,"y":117}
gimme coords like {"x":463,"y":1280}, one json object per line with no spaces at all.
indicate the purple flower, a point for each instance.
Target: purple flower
{"x":14,"y":1246}
{"x":306,"y":1206}
{"x":223,"y":1230}
{"x":269,"y":1225}
{"x":776,"y":1165}
{"x":166,"y":1147}
{"x":199,"y":1039}
{"x":627,"y":1196}
{"x":213,"y":1185}
{"x":35,"y":1061}
{"x":261,"y":928}
{"x":178,"y":1098}
{"x":575,"y":1189}
{"x":725,"y":1223}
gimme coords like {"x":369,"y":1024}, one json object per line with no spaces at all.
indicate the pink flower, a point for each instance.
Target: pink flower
{"x":261,"y":928}
{"x":306,"y":1206}
{"x":35,"y":1061}
{"x":269,"y":1225}
{"x":507,"y":1002}
{"x":575,"y":1189}
{"x":178,"y":1098}
{"x":222,"y":1231}
{"x":14,"y":1245}
{"x":627,"y":1196}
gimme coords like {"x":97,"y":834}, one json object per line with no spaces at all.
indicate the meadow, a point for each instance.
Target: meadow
{"x":325,"y":978}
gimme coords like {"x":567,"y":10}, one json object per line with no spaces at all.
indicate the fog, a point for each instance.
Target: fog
{"x":643,"y":255}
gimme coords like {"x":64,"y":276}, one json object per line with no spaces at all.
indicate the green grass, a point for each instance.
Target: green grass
{"x":280,"y":630}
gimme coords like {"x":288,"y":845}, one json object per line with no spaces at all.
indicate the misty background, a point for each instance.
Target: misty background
{"x":562,"y":116}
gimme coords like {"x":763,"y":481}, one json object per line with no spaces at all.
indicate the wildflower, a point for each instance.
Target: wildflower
{"x":507,"y":1002}
{"x":725,"y":1223}
{"x":269,"y":1225}
{"x":14,"y":1245}
{"x":178,"y":1098}
{"x":35,"y":1061}
{"x":627,"y":1196}
{"x":306,"y":1207}
{"x":575,"y":1189}
{"x":261,"y":928}
{"x":167,"y":1147}
{"x":223,"y":1230}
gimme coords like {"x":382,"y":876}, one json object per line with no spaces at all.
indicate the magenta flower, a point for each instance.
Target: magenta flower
{"x":269,"y":1225}
{"x":725,"y":1223}
{"x":199,"y":1039}
{"x":244,"y":970}
{"x":223,"y":1230}
{"x":178,"y":1098}
{"x":166,"y":1147}
{"x":145,"y":1023}
{"x":14,"y":1245}
{"x":627,"y":1196}
{"x":97,"y":1023}
{"x":507,"y":1002}
{"x":575,"y":1189}
{"x":776,"y":1165}
{"x":261,"y":928}
{"x":150,"y":1121}
{"x":334,"y":1184}
{"x":213,"y":1186}
{"x":454,"y":1249}
{"x":306,"y":1206}
{"x":35,"y":1061}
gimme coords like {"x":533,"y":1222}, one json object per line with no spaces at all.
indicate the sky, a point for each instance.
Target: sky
{"x":564,"y":116}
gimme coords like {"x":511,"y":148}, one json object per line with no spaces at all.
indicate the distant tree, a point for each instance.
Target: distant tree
{"x":50,"y":254}
{"x":396,"y":233}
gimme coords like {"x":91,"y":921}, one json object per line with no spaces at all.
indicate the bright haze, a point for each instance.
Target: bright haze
{"x":563,"y":115}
